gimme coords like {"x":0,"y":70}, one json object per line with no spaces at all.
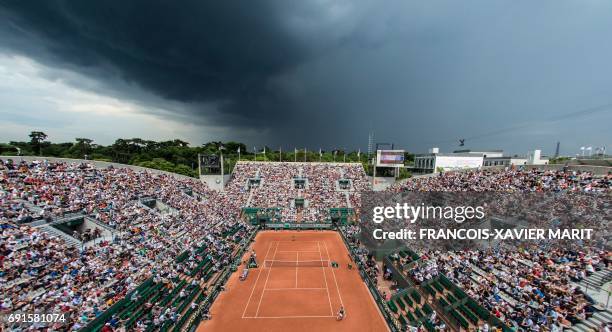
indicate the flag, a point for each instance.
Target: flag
{"x":320,"y":152}
{"x":238,"y":149}
{"x":359,"y":153}
{"x":264,"y":151}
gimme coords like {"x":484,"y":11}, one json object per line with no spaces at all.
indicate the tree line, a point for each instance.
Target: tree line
{"x":174,"y":155}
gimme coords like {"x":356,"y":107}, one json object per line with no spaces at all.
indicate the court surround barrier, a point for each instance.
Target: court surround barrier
{"x":392,"y":323}
{"x":255,"y":214}
{"x":295,"y":226}
{"x":344,"y":214}
{"x":272,"y":215}
{"x":196,"y":318}
{"x":238,"y":257}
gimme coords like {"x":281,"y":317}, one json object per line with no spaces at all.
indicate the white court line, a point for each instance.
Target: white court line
{"x":266,"y":283}
{"x":261,"y":317}
{"x":334,"y":273}
{"x":255,"y":285}
{"x":300,"y":241}
{"x":292,"y":289}
{"x":298,"y":251}
{"x":325,"y":278}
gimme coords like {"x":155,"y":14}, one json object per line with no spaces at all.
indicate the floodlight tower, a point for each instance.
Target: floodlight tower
{"x":370,"y":144}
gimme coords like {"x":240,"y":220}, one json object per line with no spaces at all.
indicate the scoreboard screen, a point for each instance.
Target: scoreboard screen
{"x":210,"y":164}
{"x":389,"y":158}
{"x":211,"y":161}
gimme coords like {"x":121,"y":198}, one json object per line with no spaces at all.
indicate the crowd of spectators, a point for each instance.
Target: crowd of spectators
{"x":43,"y":273}
{"x":278,"y":185}
{"x":526,"y":289}
{"x":40,"y":272}
{"x":531,"y":287}
{"x":510,"y":179}
{"x":363,"y":257}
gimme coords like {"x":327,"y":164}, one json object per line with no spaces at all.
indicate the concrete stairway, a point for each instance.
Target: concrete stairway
{"x":348,"y":200}
{"x":57,"y":233}
{"x":599,"y":278}
{"x":31,"y":207}
{"x":249,"y":199}
{"x":592,"y":324}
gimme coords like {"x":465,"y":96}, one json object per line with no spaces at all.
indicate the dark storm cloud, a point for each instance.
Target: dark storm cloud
{"x":221,"y":52}
{"x":516,"y":75}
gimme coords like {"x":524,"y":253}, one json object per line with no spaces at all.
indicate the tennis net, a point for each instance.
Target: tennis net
{"x":278,"y":263}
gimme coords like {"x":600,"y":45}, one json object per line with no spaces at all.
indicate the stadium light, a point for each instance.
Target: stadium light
{"x":221,"y":148}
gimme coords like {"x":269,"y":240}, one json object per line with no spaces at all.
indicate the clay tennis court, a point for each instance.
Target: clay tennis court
{"x":295,"y":288}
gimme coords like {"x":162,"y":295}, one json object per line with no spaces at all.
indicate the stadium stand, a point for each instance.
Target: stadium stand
{"x":303,"y":192}
{"x":131,"y":279}
{"x":527,"y":289}
{"x":151,"y":251}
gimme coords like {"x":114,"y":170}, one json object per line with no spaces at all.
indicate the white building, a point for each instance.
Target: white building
{"x":464,"y":159}
{"x":435,"y":161}
{"x":505,"y":161}
{"x":484,"y":153}
{"x":535,"y":158}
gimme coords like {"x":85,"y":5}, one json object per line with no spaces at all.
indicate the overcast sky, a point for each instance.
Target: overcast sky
{"x":513,"y":75}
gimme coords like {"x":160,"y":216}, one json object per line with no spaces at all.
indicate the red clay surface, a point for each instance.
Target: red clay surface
{"x":296,"y":298}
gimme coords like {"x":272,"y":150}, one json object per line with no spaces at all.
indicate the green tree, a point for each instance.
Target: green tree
{"x":84,"y":144}
{"x":37,"y":137}
{"x":232,"y":148}
{"x":404,"y":174}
